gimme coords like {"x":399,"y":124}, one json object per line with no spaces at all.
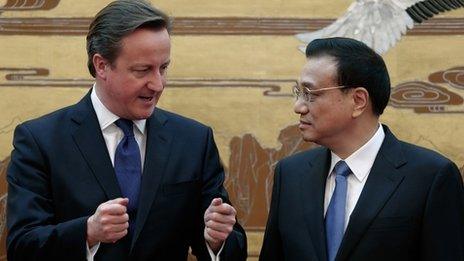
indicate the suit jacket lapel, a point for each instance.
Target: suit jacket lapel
{"x":89,"y":139}
{"x":312,"y":188}
{"x":156,"y":156}
{"x":380,"y":185}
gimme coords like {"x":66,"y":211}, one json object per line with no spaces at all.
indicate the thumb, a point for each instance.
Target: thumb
{"x":122,"y":201}
{"x":216,"y":202}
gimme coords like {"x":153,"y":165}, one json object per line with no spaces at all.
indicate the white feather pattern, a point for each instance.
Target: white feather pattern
{"x":378,"y":23}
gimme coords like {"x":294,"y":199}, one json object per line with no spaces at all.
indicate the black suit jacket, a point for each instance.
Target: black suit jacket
{"x":60,"y":172}
{"x":411,"y":208}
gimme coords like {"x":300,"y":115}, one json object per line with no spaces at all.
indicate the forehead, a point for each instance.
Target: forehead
{"x":319,"y":72}
{"x":146,"y":43}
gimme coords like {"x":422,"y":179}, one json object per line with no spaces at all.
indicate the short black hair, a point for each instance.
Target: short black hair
{"x":117,"y":20}
{"x":357,"y":66}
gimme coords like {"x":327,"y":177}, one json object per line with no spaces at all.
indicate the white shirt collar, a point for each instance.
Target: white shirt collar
{"x":361,"y":161}
{"x":106,"y":117}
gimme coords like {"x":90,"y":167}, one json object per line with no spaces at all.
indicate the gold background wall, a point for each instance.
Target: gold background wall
{"x":233,"y":66}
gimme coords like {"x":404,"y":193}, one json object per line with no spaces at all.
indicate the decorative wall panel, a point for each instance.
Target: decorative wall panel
{"x":233,"y":66}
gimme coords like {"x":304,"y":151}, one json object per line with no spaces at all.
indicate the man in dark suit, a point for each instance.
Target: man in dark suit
{"x":113,"y":178}
{"x":362,"y":195}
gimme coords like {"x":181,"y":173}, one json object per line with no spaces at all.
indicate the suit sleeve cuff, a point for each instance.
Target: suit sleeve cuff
{"x":214,"y":257}
{"x":91,"y":251}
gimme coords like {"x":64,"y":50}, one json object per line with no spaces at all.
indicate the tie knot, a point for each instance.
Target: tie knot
{"x":342,"y":169}
{"x":126,"y":126}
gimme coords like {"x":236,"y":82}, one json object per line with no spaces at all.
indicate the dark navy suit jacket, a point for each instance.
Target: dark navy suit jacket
{"x":60,"y":171}
{"x":411,"y":208}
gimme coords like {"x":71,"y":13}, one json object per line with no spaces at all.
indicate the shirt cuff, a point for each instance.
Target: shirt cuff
{"x":91,"y":251}
{"x":211,"y":253}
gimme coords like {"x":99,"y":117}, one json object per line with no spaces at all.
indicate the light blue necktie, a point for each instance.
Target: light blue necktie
{"x":127,"y":165}
{"x":335,"y":216}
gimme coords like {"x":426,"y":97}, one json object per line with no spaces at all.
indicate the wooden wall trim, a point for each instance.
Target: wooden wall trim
{"x":215,"y":26}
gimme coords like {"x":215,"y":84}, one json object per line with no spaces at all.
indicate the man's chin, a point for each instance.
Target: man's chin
{"x":308,"y":138}
{"x":142,"y":115}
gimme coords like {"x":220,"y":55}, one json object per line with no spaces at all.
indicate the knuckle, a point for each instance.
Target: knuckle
{"x":104,"y":209}
{"x":104,"y":220}
{"x":106,"y":229}
{"x":218,"y":236}
{"x":212,"y":233}
{"x":120,"y":234}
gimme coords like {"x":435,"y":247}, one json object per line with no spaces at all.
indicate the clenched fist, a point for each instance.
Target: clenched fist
{"x":219,"y":222}
{"x":109,"y":223}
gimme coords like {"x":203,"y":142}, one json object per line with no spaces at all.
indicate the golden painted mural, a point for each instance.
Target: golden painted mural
{"x":233,"y":66}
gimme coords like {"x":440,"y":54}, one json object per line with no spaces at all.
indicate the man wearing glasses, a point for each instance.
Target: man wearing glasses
{"x":364,"y":194}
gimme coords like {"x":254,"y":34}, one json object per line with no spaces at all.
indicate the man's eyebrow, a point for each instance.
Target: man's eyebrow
{"x":140,"y":65}
{"x":306,"y":84}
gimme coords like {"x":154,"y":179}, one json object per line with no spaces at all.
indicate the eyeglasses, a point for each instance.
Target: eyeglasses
{"x":308,"y":94}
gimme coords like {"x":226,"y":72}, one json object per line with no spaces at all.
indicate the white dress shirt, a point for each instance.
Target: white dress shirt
{"x":113,"y":135}
{"x":360,"y":163}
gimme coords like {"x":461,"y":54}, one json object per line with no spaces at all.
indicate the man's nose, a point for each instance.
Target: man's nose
{"x":300,"y":106}
{"x":157,"y":82}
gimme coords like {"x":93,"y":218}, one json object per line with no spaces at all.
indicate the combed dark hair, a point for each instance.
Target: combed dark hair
{"x":357,"y":66}
{"x":117,"y":20}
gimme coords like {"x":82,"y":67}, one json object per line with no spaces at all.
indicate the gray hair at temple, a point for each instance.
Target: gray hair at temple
{"x":117,"y":20}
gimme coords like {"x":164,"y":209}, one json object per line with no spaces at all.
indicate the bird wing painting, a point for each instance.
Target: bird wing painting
{"x":381,"y":23}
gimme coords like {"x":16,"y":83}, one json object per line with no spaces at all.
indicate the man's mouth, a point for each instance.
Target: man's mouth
{"x":146,"y":98}
{"x":303,"y":125}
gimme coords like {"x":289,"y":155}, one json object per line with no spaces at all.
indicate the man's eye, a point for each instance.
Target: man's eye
{"x":311,"y":96}
{"x":164,"y":68}
{"x":140,"y":72}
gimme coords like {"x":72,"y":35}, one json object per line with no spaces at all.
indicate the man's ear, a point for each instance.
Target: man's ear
{"x":360,"y":100}
{"x":101,"y":65}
